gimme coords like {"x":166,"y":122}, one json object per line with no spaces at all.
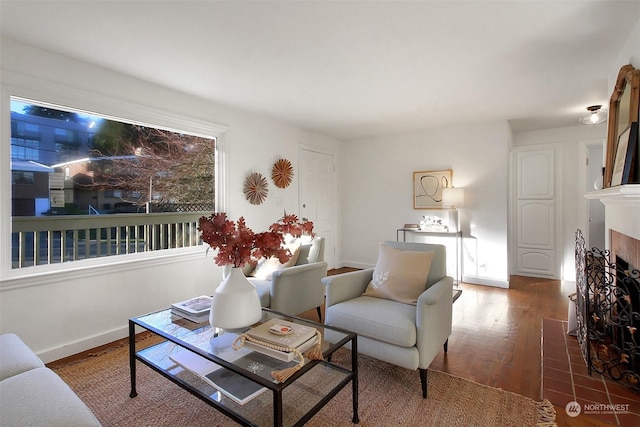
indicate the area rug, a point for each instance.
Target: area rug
{"x":388,"y":396}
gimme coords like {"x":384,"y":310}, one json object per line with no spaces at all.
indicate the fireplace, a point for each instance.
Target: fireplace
{"x":608,"y":313}
{"x":608,"y":285}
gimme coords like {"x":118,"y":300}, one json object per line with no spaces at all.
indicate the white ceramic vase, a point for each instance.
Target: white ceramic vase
{"x":235,"y":302}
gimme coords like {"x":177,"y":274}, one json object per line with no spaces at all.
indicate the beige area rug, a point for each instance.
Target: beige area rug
{"x":388,"y":396}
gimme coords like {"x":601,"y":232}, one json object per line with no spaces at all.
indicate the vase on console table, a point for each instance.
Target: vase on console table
{"x":235,"y":302}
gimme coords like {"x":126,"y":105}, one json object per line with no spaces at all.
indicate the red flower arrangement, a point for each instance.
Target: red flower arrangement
{"x":238,"y":245}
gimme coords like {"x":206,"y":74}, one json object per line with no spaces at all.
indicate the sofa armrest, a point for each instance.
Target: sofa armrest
{"x":16,"y":357}
{"x":346,"y":286}
{"x":433,"y":319}
{"x":298,"y":288}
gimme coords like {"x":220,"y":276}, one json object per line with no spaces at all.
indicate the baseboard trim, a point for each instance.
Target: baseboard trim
{"x":70,"y":349}
{"x":475,"y":280}
{"x":355,"y":264}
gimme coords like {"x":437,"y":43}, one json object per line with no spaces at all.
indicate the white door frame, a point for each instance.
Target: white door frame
{"x":330,"y":253}
{"x":584,"y":206}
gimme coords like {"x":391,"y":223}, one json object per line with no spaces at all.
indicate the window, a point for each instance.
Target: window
{"x":106,"y":168}
{"x":66,"y":153}
{"x":24,"y":149}
{"x":21,"y":177}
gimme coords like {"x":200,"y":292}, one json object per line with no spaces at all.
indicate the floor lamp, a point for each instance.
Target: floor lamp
{"x":453,"y":198}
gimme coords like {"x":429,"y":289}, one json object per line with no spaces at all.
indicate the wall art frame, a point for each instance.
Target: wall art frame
{"x":626,"y":154}
{"x":427,"y":188}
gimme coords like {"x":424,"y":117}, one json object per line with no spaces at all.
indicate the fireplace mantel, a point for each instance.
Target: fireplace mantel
{"x":629,"y":193}
{"x":622,"y":210}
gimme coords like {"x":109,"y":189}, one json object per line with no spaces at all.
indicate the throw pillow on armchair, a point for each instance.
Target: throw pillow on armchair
{"x":399,"y":275}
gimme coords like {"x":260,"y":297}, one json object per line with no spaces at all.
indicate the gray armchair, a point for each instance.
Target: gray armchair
{"x":402,"y":334}
{"x":299,"y":288}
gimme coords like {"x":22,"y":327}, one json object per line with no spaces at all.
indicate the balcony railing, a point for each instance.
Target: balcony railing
{"x":57,"y":239}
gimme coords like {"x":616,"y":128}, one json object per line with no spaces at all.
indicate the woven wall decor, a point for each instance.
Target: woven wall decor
{"x":282,"y":173}
{"x":255,"y":188}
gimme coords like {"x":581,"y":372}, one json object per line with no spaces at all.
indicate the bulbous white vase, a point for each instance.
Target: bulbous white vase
{"x":235,"y":302}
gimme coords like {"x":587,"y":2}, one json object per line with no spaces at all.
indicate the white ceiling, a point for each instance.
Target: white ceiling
{"x":352,"y":69}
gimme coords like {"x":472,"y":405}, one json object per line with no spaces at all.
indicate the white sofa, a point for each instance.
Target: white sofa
{"x":299,"y":288}
{"x":32,"y":394}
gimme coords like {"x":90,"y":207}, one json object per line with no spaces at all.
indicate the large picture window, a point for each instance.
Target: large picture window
{"x":88,"y":170}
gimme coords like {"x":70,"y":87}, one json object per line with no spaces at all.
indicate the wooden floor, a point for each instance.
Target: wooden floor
{"x":496,"y":337}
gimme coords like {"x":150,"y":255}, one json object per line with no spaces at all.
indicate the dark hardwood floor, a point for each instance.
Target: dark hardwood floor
{"x":496,"y":336}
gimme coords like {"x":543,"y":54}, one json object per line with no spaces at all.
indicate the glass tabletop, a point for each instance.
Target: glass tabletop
{"x":299,"y":397}
{"x":217,"y":345}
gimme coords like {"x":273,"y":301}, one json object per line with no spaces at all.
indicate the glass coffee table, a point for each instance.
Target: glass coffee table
{"x":290,"y":403}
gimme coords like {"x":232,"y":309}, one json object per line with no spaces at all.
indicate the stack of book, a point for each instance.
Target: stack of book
{"x":283,"y":334}
{"x":194,"y":309}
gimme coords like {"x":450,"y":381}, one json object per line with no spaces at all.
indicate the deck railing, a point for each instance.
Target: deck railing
{"x":57,"y":239}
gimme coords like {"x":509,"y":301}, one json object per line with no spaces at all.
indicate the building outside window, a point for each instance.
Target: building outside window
{"x":68,"y":163}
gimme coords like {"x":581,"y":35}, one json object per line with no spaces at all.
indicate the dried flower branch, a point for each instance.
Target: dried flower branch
{"x":238,"y":245}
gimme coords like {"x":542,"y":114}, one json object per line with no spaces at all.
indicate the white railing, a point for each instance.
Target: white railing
{"x":56,"y":239}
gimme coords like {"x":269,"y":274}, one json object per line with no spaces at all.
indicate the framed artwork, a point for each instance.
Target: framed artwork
{"x":623,"y":165}
{"x":427,"y":188}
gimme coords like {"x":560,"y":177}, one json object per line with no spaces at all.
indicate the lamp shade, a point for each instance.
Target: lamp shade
{"x":453,"y":197}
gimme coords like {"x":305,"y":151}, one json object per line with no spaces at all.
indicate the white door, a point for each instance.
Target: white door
{"x":536,"y":212}
{"x":318,"y":197}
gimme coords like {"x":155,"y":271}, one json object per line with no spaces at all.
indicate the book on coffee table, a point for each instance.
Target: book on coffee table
{"x":192,"y":317}
{"x":282,"y":333}
{"x":227,"y":382}
{"x":286,"y":356}
{"x":197,"y":306}
{"x":194,"y":309}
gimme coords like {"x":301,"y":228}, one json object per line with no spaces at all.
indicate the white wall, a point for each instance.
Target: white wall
{"x":629,"y":54}
{"x":573,"y":141}
{"x":376,"y":192}
{"x":62,"y":313}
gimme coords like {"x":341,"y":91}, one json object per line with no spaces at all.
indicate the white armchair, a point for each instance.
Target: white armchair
{"x":403,"y":334}
{"x":299,"y":288}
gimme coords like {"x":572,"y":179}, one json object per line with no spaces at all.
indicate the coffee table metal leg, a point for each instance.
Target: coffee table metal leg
{"x":132,"y":358}
{"x":277,"y":408}
{"x":354,"y":381}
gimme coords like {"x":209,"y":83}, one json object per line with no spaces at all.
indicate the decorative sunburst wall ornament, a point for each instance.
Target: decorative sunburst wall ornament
{"x":255,"y":188}
{"x":282,"y":173}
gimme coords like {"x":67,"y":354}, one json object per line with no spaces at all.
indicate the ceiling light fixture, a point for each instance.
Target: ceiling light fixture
{"x":594,"y":116}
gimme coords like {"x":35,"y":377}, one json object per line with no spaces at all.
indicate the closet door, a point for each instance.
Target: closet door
{"x":536,"y":212}
{"x":317,"y":197}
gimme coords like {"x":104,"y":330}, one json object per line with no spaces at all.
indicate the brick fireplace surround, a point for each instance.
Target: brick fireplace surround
{"x":625,"y":247}
{"x":622,"y":238}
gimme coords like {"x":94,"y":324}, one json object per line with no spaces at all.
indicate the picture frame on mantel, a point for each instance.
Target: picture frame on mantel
{"x":427,"y":188}
{"x":625,"y":163}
